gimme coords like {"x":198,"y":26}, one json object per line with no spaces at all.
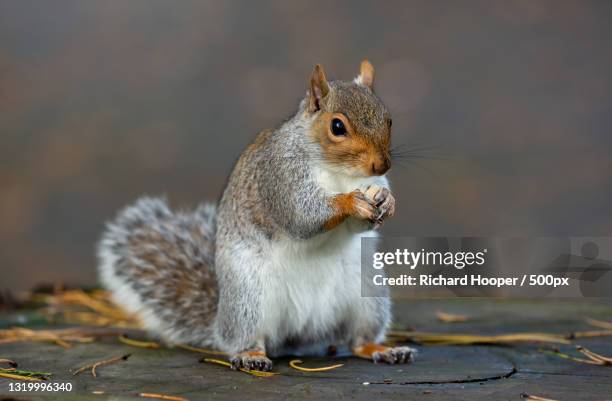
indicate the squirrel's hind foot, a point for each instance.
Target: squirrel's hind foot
{"x":394,"y":355}
{"x":251,"y":360}
{"x":380,"y":353}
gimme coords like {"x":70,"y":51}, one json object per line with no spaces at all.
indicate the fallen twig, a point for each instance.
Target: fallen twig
{"x":294,"y":364}
{"x":105,"y":362}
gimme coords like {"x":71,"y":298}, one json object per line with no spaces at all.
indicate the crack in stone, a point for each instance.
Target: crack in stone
{"x":458,"y":381}
{"x":511,"y":373}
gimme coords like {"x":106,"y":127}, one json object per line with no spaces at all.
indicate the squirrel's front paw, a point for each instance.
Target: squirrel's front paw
{"x":383,"y":201}
{"x":251,"y":360}
{"x":363,"y":207}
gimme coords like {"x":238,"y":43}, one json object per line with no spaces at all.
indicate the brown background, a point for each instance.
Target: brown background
{"x":102,"y":101}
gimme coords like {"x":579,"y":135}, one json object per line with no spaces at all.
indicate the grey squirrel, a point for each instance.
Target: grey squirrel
{"x":276,"y":264}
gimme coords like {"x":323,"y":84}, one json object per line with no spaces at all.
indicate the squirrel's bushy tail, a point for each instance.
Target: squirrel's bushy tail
{"x":159,"y":265}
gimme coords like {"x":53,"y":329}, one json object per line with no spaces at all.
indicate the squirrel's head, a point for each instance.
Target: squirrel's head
{"x":350,"y":123}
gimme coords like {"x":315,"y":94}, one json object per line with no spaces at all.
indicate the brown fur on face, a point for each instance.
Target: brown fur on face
{"x":364,"y":150}
{"x":362,"y":154}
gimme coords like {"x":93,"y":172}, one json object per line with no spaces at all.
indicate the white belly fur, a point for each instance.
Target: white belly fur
{"x":317,"y":282}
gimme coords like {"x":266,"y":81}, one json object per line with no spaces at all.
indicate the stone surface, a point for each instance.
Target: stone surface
{"x":439,"y":373}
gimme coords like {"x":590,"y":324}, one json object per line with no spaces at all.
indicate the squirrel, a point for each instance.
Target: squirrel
{"x":275,"y":265}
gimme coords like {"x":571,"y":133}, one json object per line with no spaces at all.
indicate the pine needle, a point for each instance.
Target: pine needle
{"x":229,"y":365}
{"x":19,"y":334}
{"x":471,"y":339}
{"x":101,"y":311}
{"x":19,"y":377}
{"x":79,"y":297}
{"x":599,"y":323}
{"x":594,"y":356}
{"x":294,"y":364}
{"x":200,"y":350}
{"x":136,"y":343}
{"x":12,"y":371}
{"x":29,"y":373}
{"x":9,"y":362}
{"x":535,"y":398}
{"x":162,"y":397}
{"x":95,"y":365}
{"x":590,"y":334}
{"x":570,"y":358}
{"x":62,"y":337}
{"x":451,"y":317}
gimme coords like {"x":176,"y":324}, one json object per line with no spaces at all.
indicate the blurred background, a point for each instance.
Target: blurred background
{"x":103,"y":101}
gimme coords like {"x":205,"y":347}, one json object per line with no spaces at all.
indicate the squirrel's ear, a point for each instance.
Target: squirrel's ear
{"x":318,"y":88}
{"x":366,"y":74}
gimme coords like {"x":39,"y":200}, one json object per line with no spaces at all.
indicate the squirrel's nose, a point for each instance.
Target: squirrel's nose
{"x":380,"y":167}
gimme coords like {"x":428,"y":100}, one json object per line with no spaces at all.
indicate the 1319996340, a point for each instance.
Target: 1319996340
{"x":40,"y":386}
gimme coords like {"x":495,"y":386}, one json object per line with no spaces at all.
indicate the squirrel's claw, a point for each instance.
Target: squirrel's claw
{"x":363,"y":207}
{"x":251,"y":361}
{"x":394,"y":355}
{"x":383,"y":202}
{"x":386,"y":207}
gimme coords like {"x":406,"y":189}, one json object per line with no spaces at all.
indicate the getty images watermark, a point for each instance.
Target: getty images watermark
{"x":487,"y":267}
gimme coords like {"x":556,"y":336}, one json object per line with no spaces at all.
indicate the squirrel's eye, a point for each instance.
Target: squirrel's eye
{"x":337,"y":127}
{"x":390,"y":123}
